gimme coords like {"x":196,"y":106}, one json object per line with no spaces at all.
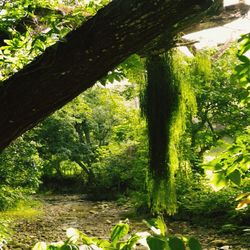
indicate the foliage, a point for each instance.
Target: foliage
{"x":222,"y":110}
{"x":242,"y":69}
{"x":232,"y":165}
{"x":25,"y":208}
{"x":162,"y":240}
{"x":200,"y":204}
{"x":29,"y":27}
{"x":159,"y":103}
{"x":244,"y":200}
{"x":167,"y":103}
{"x":98,"y":139}
{"x":4,"y":231}
{"x":93,"y":136}
{"x":19,"y":172}
{"x":158,"y":240}
{"x":21,"y":165}
{"x":9,"y":197}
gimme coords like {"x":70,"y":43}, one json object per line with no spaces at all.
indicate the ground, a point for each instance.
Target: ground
{"x":97,"y":218}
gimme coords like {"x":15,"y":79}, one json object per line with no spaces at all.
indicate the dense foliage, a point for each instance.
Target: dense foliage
{"x":28,"y":27}
{"x":158,"y":239}
{"x":98,"y":144}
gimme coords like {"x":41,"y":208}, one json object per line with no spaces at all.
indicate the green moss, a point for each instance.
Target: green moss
{"x":166,"y":103}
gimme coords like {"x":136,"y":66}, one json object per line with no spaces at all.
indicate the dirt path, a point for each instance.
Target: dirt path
{"x":97,"y":219}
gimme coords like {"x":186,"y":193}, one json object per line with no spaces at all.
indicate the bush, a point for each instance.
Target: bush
{"x":10,"y":196}
{"x":158,"y":239}
{"x":197,"y":200}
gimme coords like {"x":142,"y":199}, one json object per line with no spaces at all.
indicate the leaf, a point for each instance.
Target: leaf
{"x":176,"y":243}
{"x":40,"y":246}
{"x":157,"y":225}
{"x":68,"y":247}
{"x":243,"y":59}
{"x":243,"y":204}
{"x":73,"y":234}
{"x":101,"y":243}
{"x":219,"y":180}
{"x":194,"y":244}
{"x":118,"y":232}
{"x":130,"y":243}
{"x":86,"y":239}
{"x":156,"y":243}
{"x":241,"y":196}
{"x":8,"y":42}
{"x":235,"y":177}
{"x":161,"y":225}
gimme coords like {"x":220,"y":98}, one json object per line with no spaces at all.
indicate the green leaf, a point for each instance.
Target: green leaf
{"x":73,"y":234}
{"x":68,"y":247}
{"x":235,"y":177}
{"x":101,"y":243}
{"x":243,"y":59}
{"x":219,"y":180}
{"x":118,"y":232}
{"x":130,"y":243}
{"x":194,"y":244}
{"x":8,"y":42}
{"x":40,"y":246}
{"x":241,"y":196}
{"x":86,"y":239}
{"x":161,"y":225}
{"x":157,"y":224}
{"x":156,"y":243}
{"x":176,"y":243}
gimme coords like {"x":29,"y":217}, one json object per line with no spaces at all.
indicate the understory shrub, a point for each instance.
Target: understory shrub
{"x":198,"y":200}
{"x":10,"y":196}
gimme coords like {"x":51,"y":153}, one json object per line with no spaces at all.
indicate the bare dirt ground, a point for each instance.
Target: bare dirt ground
{"x":97,"y":218}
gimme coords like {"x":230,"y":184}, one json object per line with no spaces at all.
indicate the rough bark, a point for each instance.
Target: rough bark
{"x":227,"y":15}
{"x":217,"y":17}
{"x":68,"y":68}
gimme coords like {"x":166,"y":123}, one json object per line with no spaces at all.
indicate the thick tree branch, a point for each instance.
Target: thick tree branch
{"x":218,"y":17}
{"x":68,"y":68}
{"x":227,"y":15}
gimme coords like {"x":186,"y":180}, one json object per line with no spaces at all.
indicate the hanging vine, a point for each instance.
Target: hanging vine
{"x":164,"y":104}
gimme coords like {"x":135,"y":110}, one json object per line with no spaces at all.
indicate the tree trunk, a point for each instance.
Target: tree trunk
{"x":68,"y":68}
{"x":88,"y":171}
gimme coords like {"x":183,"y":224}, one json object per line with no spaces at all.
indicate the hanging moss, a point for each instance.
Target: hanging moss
{"x":164,"y":104}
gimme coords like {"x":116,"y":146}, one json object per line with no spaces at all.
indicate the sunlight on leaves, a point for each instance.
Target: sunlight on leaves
{"x":40,"y":246}
{"x":73,"y":234}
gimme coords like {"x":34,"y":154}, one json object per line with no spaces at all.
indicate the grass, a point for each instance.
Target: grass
{"x":24,"y":209}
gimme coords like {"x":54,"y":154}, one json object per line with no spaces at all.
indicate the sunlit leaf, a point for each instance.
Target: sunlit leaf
{"x":243,"y":204}
{"x":40,"y":246}
{"x":157,"y":225}
{"x":73,"y":234}
{"x":118,"y":232}
{"x":219,"y":180}
{"x":241,"y":196}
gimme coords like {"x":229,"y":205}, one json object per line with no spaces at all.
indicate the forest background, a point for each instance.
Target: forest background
{"x":98,"y":143}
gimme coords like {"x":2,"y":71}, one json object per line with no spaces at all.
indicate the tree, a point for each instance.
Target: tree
{"x":68,"y":68}
{"x":222,"y":107}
